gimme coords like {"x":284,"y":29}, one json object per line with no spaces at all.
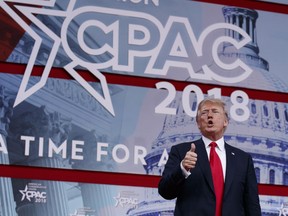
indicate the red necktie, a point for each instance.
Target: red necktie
{"x":217,"y":175}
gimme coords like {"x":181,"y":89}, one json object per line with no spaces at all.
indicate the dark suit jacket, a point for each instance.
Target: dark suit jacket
{"x":195,"y":195}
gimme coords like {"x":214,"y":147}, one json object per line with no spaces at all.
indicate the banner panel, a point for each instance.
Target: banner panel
{"x":46,"y":198}
{"x":61,"y":126}
{"x":186,"y":40}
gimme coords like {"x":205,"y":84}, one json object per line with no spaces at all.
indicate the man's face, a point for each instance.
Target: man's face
{"x":212,"y":120}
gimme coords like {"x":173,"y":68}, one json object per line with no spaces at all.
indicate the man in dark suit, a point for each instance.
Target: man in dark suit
{"x":188,"y":174}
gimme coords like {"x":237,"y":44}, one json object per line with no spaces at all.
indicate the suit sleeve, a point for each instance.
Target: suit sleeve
{"x":251,"y":199}
{"x":172,"y":178}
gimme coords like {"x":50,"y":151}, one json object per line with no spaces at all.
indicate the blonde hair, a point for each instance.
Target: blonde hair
{"x":214,"y":101}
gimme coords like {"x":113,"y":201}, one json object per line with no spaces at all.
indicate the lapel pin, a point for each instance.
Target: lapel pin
{"x":232,"y":153}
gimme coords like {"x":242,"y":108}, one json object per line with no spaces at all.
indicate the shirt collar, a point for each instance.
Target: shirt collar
{"x":220,"y":142}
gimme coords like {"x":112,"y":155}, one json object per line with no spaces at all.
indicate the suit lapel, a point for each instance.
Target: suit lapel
{"x":230,"y":168}
{"x":204,"y":163}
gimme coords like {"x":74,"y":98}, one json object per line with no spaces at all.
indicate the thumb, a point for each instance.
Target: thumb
{"x":193,"y":147}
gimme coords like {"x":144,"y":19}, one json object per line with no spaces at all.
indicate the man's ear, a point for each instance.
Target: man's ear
{"x":226,"y":122}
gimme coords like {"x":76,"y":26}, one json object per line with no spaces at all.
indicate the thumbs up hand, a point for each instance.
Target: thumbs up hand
{"x":193,"y":147}
{"x":190,"y":159}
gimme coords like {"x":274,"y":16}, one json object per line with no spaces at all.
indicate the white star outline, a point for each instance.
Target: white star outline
{"x":23,"y":192}
{"x":74,"y":214}
{"x":283,"y":211}
{"x":117,"y":199}
{"x":28,"y":11}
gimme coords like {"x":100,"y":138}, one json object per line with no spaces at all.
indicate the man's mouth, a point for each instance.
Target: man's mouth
{"x":210,"y":123}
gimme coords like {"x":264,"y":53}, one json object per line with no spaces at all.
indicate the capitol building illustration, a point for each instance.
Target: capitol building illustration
{"x":263,"y":135}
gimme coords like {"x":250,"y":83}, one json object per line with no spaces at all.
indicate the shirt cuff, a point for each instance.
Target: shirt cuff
{"x":184,"y":171}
